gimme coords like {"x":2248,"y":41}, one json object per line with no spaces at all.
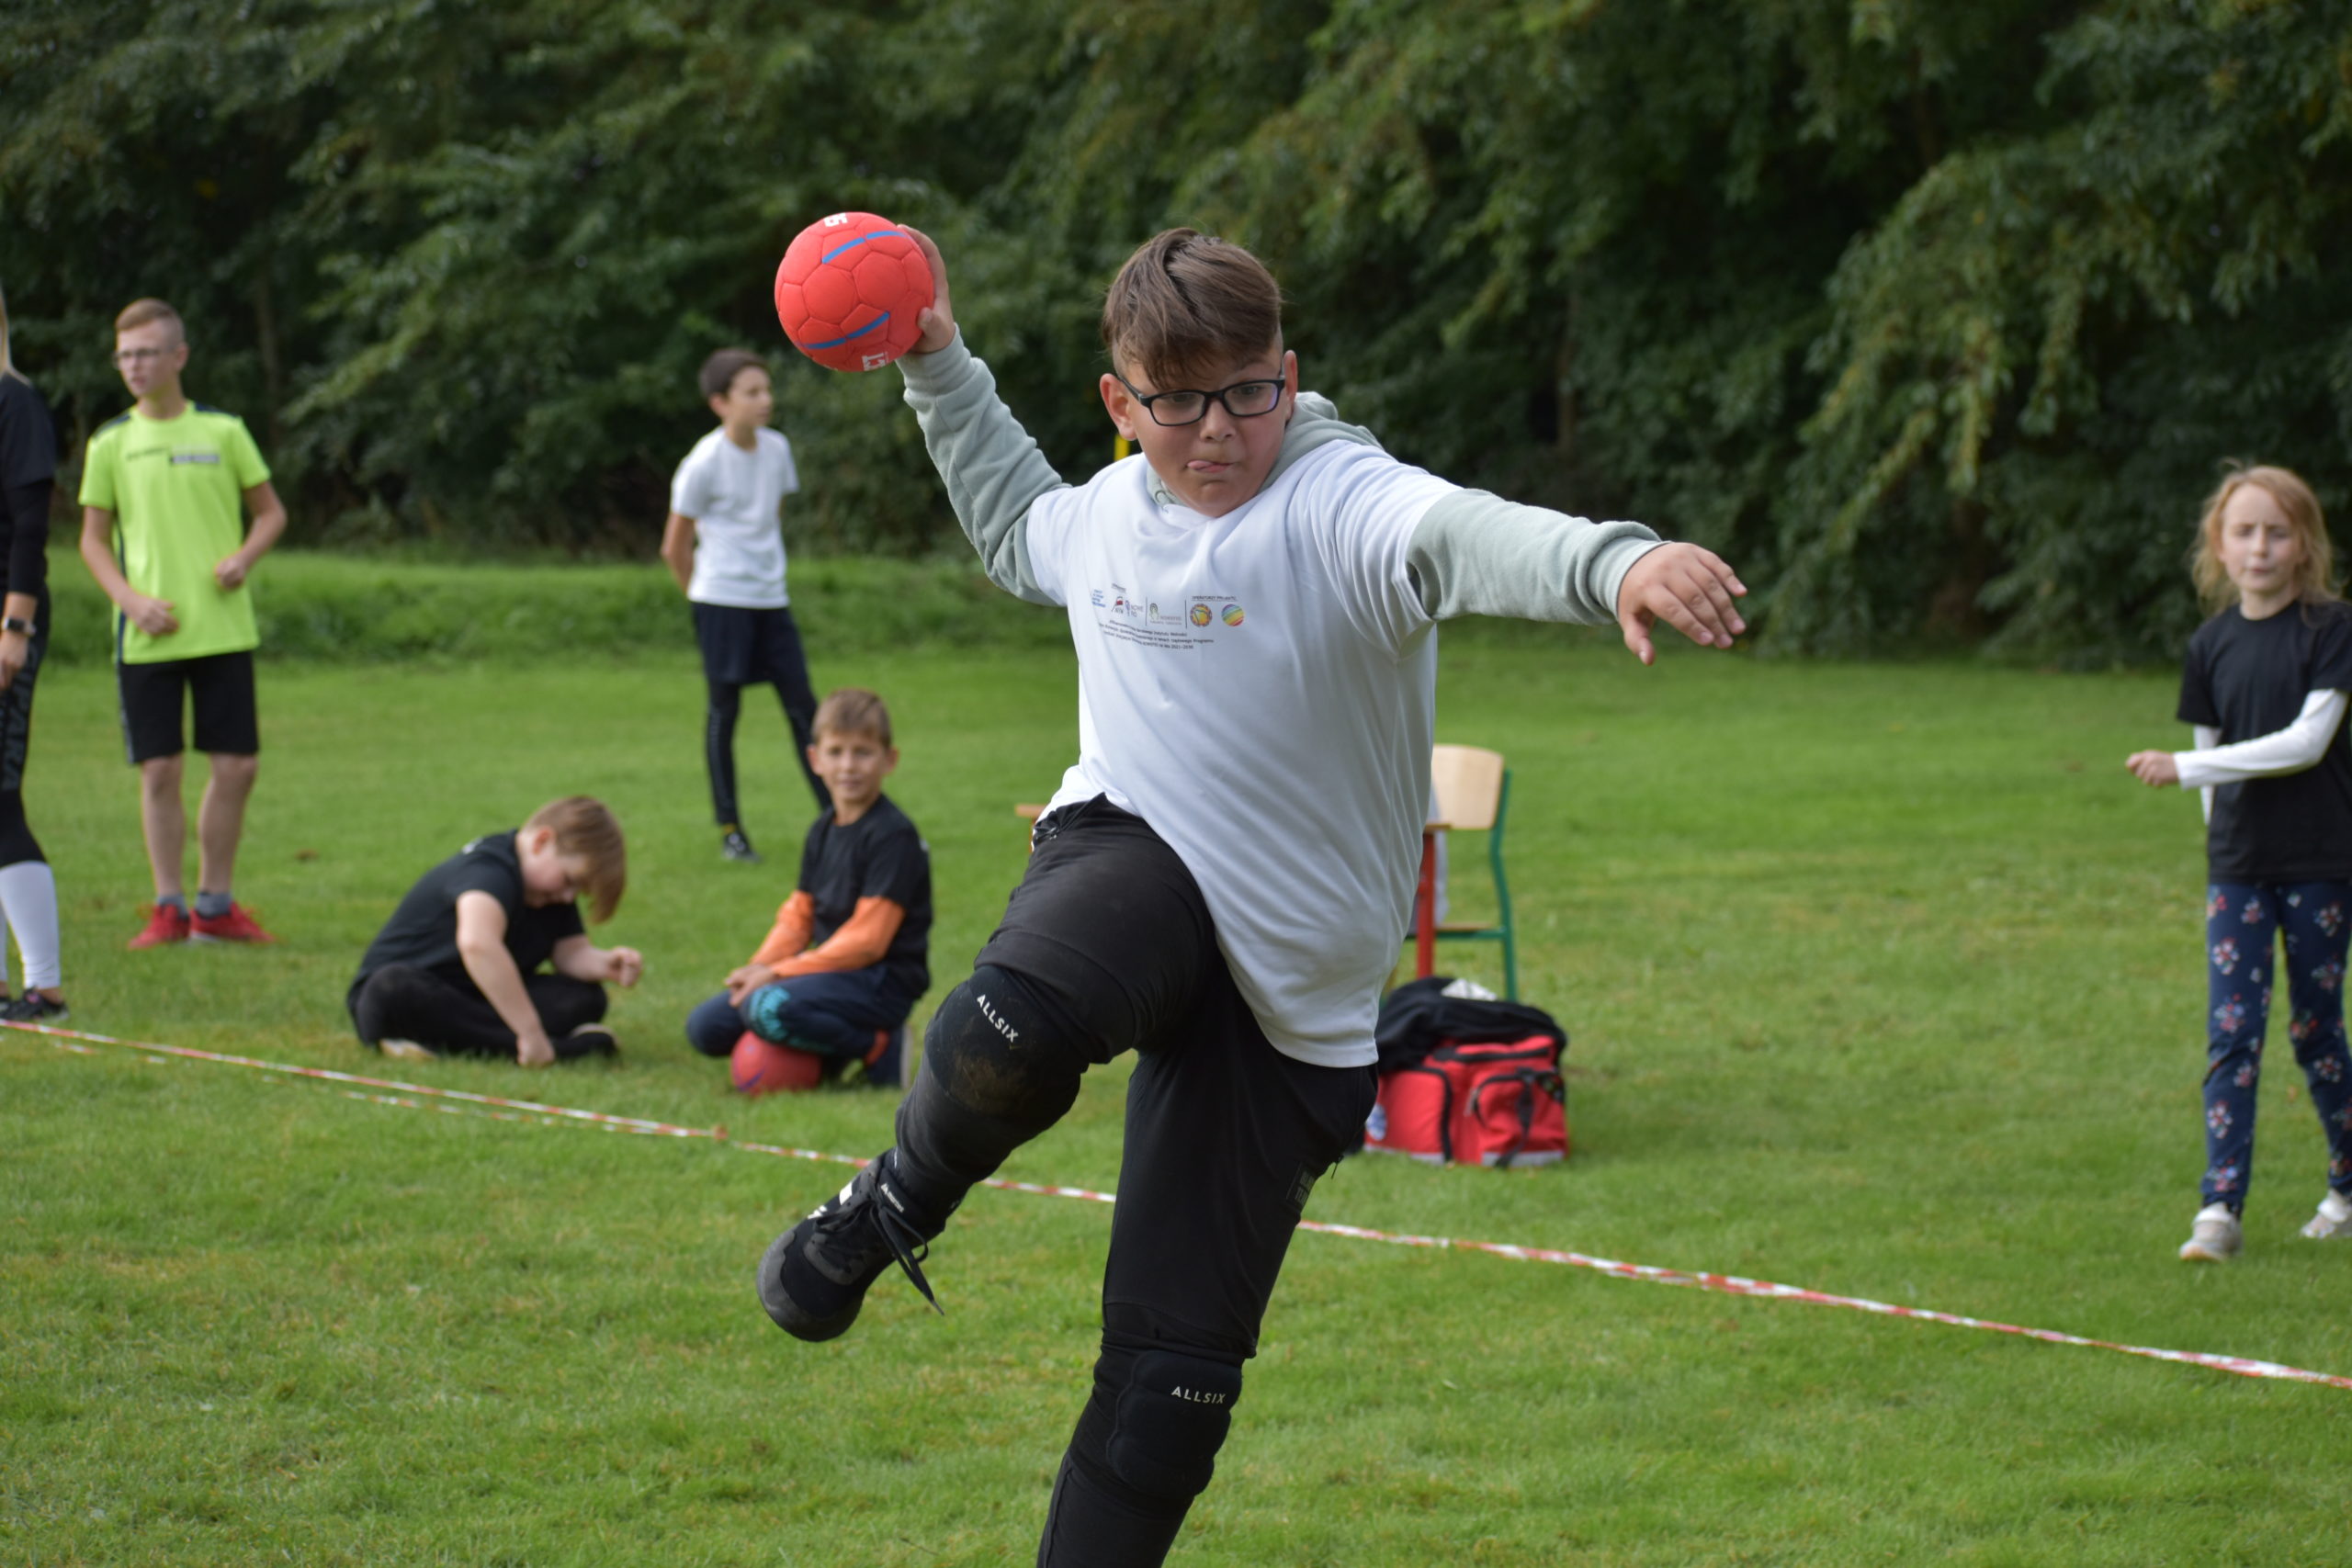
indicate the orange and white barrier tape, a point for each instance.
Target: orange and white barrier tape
{"x":453,"y":1101}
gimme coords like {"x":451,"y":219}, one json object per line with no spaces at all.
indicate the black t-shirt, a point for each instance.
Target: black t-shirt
{"x":27,"y":466}
{"x":423,"y":930}
{"x":2248,"y":678}
{"x":880,"y":855}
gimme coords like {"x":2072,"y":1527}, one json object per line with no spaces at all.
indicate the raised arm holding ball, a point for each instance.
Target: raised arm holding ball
{"x":1219,"y":882}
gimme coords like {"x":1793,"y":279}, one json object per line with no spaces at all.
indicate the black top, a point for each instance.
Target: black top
{"x":28,"y":467}
{"x":423,"y":930}
{"x":2249,"y":679}
{"x":880,"y":855}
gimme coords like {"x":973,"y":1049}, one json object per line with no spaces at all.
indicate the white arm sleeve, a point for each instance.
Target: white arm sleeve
{"x":2207,"y":738}
{"x":2288,"y":750}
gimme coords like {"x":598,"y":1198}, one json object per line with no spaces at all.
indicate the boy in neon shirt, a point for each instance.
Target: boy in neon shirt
{"x":164,"y":490}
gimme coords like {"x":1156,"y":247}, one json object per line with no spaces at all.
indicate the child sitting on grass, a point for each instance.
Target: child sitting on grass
{"x":847,"y":960}
{"x":456,"y":968}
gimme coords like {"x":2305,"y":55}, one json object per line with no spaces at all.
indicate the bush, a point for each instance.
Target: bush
{"x":365,"y":609}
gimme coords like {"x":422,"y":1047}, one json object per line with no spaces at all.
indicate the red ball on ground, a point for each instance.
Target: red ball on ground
{"x":849,"y":290}
{"x":761,"y":1066}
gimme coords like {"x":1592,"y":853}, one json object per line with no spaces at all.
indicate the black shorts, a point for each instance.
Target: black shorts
{"x":221,"y":686}
{"x":1225,"y":1135}
{"x":751,"y":648}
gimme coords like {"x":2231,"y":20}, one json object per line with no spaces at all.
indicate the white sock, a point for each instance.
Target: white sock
{"x":28,"y":902}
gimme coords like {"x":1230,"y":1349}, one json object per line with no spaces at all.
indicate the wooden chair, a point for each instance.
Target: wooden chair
{"x":1473,"y":789}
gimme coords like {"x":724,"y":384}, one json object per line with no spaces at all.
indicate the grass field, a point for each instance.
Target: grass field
{"x":1884,"y":980}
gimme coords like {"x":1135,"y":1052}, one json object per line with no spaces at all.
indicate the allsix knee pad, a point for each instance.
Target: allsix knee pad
{"x":996,"y":1049}
{"x":1156,"y":1421}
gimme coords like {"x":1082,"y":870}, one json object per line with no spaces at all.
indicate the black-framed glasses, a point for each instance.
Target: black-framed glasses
{"x":1243,"y":400}
{"x":139,"y":355}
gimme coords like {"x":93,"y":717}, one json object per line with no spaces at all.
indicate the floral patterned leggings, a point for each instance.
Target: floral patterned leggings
{"x":2316,"y":920}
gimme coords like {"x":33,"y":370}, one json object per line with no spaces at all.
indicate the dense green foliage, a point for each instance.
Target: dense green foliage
{"x":1934,"y":316}
{"x":1908,"y":1009}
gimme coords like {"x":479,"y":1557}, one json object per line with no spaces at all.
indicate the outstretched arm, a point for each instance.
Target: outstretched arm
{"x":2298,"y":746}
{"x":991,"y":468}
{"x":1476,"y":554}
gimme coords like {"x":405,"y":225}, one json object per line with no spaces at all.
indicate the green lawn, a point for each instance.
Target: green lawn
{"x":1884,"y":980}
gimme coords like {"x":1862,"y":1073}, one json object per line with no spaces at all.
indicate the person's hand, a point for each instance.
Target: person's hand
{"x":152,"y":616}
{"x":534,"y":1050}
{"x":1687,"y":588}
{"x":938,"y":318}
{"x":15,"y":649}
{"x":231,"y":572}
{"x":746,"y":980}
{"x":623,"y":966}
{"x":2154,"y":769}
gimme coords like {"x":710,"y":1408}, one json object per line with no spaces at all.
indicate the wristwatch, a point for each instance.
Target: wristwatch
{"x":11,"y":623}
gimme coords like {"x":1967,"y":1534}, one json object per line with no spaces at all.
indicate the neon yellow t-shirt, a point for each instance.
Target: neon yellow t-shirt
{"x":176,"y":489}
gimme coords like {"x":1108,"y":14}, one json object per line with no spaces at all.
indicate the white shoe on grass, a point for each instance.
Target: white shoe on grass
{"x":2214,"y":1236}
{"x":407,"y":1051}
{"x":2334,"y":1221}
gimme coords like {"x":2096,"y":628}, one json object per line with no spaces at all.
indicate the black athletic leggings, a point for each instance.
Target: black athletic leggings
{"x":405,"y":1001}
{"x":719,"y":748}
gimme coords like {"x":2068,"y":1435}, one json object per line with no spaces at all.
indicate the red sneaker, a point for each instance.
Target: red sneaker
{"x":234,"y":926}
{"x":166,"y":923}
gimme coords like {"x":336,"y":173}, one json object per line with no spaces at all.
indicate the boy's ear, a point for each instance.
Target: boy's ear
{"x":718,"y":401}
{"x":1120,"y":404}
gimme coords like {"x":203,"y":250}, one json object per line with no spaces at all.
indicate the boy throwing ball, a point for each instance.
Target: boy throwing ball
{"x":1220,"y":883}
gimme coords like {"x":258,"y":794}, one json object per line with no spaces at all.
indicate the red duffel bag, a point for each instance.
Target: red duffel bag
{"x":1490,"y":1102}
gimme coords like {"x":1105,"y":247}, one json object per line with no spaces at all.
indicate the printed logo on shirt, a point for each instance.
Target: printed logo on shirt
{"x":180,"y":458}
{"x":1179,"y":626}
{"x":1212,"y":607}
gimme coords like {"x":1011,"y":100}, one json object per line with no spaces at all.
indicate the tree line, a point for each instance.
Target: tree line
{"x":1938,"y":319}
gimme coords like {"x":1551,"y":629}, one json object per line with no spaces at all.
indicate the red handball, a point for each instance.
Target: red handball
{"x":759,"y":1066}
{"x":849,"y":290}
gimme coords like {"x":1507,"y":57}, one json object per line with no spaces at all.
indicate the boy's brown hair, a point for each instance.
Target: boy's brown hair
{"x":139,"y":312}
{"x":583,"y":826}
{"x":1187,"y":303}
{"x":2314,"y":575}
{"x":852,"y":710}
{"x":718,"y":372}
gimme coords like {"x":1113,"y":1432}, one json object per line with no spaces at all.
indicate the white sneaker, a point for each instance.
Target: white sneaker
{"x":2215,"y":1236}
{"x":407,"y":1051}
{"x":2334,"y":1221}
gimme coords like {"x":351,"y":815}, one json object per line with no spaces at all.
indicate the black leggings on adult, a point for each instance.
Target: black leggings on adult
{"x":1108,"y":946}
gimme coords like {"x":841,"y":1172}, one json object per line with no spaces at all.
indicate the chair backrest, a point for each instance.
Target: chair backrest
{"x":1469,"y":781}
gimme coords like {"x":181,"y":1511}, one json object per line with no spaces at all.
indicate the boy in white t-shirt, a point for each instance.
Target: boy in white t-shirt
{"x":1221,"y":882}
{"x":724,"y":542}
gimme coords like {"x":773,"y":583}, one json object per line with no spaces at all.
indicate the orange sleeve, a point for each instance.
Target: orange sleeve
{"x":860,"y":944}
{"x":794,"y":920}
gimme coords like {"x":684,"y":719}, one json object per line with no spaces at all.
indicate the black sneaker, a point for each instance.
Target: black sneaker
{"x":588,"y":1040}
{"x":734,"y":846}
{"x":813,"y":1278}
{"x":34,"y":1008}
